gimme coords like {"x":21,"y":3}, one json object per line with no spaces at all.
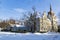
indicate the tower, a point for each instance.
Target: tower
{"x":51,"y":13}
{"x":52,"y":18}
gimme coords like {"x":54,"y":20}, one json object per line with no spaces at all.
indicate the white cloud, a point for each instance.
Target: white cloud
{"x":11,"y":13}
{"x":20,"y":10}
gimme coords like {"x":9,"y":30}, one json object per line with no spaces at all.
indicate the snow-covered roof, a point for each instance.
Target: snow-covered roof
{"x":20,"y":26}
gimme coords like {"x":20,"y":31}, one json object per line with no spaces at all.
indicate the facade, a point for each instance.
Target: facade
{"x":43,"y":24}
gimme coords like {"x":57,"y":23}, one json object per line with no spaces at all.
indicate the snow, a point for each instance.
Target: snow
{"x":6,"y":33}
{"x":29,"y":36}
{"x":48,"y":33}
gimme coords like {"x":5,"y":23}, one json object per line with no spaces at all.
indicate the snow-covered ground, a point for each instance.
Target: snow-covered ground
{"x":29,"y":36}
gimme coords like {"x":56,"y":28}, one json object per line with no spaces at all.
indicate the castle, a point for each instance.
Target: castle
{"x":44,"y":24}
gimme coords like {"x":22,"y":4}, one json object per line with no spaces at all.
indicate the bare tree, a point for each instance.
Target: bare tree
{"x":32,"y":19}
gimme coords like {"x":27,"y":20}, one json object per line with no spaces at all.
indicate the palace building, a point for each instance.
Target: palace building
{"x":45,"y":23}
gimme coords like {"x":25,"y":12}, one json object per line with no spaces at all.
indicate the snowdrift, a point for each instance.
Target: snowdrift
{"x":48,"y":33}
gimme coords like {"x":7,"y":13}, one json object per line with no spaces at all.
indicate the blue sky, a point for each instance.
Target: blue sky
{"x":16,"y":8}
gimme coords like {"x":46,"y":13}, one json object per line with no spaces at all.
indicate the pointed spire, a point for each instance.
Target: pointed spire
{"x":50,"y":8}
{"x":34,"y":9}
